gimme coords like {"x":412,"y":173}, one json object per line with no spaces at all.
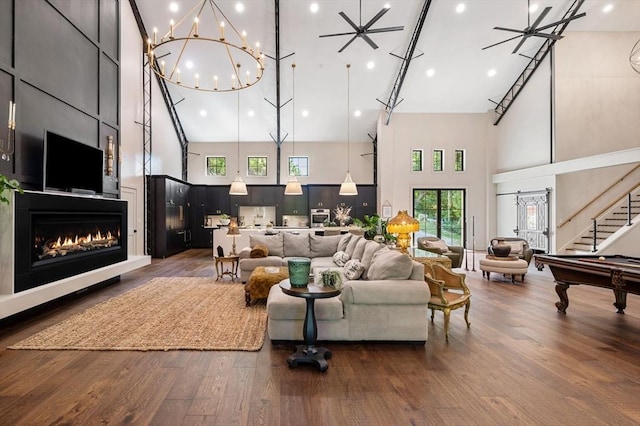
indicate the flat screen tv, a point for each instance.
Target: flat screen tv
{"x":71,"y":166}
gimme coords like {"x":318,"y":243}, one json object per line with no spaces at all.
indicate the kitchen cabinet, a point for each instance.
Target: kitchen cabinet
{"x":218,"y":200}
{"x":201,"y":237}
{"x":297,"y":205}
{"x":170,"y":211}
{"x":328,"y":197}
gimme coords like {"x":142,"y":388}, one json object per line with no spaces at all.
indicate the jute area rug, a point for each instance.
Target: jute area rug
{"x":192,"y":313}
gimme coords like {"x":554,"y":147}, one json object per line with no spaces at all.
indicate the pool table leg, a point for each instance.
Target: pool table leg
{"x":563,"y":304}
{"x":621,"y":300}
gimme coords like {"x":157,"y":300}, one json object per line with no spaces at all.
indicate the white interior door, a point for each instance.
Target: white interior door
{"x":131,"y":196}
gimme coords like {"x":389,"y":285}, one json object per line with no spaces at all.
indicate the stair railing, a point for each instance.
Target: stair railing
{"x":606,"y":210}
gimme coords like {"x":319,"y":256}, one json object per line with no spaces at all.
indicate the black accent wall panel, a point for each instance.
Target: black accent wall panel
{"x":109,"y":27}
{"x":6,"y":34}
{"x":54,"y":56}
{"x":6,"y":94}
{"x":108,"y":91}
{"x":82,"y":13}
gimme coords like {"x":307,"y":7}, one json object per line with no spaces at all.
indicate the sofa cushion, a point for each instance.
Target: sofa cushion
{"x":323,"y":246}
{"x":296,"y":245}
{"x":369,"y":250}
{"x":259,"y":250}
{"x":516,"y":247}
{"x":353,"y":241}
{"x":439,"y":244}
{"x":353,"y":269}
{"x":281,"y":306}
{"x":340,"y":258}
{"x":390,"y":265}
{"x":358,"y":251}
{"x":344,"y":240}
{"x":274,"y":243}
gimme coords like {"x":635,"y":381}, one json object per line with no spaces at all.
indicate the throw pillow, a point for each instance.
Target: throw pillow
{"x":358,"y":251}
{"x":272,"y":242}
{"x":353,"y":269}
{"x":344,"y":240}
{"x":439,"y":244}
{"x":516,"y":247}
{"x":369,"y":251}
{"x":296,"y":245}
{"x":340,"y":258}
{"x":259,"y":250}
{"x":324,"y":246}
{"x":352,"y":245}
{"x":390,"y":265}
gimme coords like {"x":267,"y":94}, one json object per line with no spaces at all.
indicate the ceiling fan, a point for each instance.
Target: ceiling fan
{"x":363,"y":31}
{"x":532,"y":30}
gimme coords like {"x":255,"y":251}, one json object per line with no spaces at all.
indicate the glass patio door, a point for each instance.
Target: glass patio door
{"x":441,"y":213}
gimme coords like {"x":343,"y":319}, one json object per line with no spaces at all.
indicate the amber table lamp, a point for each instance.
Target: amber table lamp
{"x":232,"y":232}
{"x":403,"y":225}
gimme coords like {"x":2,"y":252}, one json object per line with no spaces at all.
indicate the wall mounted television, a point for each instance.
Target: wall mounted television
{"x":71,"y":166}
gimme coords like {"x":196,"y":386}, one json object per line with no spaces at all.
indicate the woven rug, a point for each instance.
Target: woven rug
{"x":166,"y":314}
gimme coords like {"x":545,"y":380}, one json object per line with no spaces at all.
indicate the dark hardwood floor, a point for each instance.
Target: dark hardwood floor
{"x":520,"y":363}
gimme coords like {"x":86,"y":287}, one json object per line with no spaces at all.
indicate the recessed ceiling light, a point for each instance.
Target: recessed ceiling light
{"x":491,"y":72}
{"x":173,"y":7}
{"x":371,"y":65}
{"x":203,"y":113}
{"x":251,"y":113}
{"x":608,"y":8}
{"x":533,"y":8}
{"x":357,"y":113}
{"x":431,"y":72}
{"x":305,"y":113}
{"x":239,"y":7}
{"x":189,"y":64}
{"x":460,"y":7}
{"x":314,"y":7}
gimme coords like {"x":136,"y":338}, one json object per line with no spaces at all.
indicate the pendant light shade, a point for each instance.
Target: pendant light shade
{"x":238,"y":187}
{"x":293,"y":185}
{"x":348,"y":187}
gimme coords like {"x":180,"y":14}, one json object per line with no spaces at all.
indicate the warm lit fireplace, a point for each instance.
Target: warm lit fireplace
{"x":58,"y":236}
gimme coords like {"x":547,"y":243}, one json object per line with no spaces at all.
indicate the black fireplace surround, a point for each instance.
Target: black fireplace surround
{"x":59,"y":236}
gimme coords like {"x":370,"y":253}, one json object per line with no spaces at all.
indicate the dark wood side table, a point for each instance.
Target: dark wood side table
{"x":309,"y":353}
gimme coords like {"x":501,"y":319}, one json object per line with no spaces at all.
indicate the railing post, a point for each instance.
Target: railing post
{"x":595,"y":232}
{"x":629,"y":209}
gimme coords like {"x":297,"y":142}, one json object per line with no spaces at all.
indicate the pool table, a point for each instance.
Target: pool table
{"x":617,"y":272}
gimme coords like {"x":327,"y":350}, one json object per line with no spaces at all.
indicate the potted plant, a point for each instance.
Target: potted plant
{"x":8,"y":184}
{"x":331,"y":278}
{"x":224,"y":220}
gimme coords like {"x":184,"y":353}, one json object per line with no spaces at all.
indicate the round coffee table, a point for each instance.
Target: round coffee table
{"x":309,"y":353}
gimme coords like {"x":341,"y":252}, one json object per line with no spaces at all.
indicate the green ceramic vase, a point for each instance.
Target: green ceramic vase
{"x":299,"y":268}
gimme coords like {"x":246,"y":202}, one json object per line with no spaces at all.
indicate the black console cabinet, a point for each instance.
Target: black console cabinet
{"x":169,"y":216}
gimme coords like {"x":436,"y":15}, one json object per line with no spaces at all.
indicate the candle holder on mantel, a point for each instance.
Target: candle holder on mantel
{"x":7,"y":152}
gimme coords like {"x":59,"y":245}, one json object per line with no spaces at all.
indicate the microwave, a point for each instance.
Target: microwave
{"x":319,"y":216}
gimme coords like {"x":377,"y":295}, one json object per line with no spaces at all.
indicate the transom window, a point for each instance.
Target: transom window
{"x":458,"y":164}
{"x":299,"y":166}
{"x":257,"y":166}
{"x":438,"y":160}
{"x":417,"y":162}
{"x":216,"y":166}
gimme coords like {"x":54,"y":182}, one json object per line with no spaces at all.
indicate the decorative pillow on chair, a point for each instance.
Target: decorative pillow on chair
{"x":260,"y":250}
{"x":444,"y":248}
{"x":340,"y":258}
{"x":353,"y":269}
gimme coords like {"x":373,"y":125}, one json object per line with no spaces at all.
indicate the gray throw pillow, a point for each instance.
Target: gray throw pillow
{"x":390,"y":265}
{"x":340,"y":258}
{"x":351,"y":247}
{"x":369,"y":251}
{"x":324,"y":246}
{"x":344,"y":240}
{"x":353,"y":269}
{"x":296,"y":245}
{"x":358,"y":251}
{"x":272,"y":242}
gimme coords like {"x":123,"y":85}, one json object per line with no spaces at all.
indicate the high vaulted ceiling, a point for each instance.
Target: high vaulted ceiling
{"x":450,"y":44}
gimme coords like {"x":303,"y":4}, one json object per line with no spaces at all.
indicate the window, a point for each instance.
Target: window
{"x":257,"y":166}
{"x":299,"y":165}
{"x":438,"y":160}
{"x":416,"y":160}
{"x":216,"y":166}
{"x":458,"y":164}
{"x":441,"y":213}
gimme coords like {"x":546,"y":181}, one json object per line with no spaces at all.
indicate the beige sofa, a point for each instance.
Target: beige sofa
{"x":384,"y":296}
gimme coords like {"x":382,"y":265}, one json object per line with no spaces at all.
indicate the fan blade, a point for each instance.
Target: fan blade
{"x":500,"y":42}
{"x":369,"y":41}
{"x":545,"y":35}
{"x":346,"y":18}
{"x":337,"y":34}
{"x":509,"y":29}
{"x":562,"y":21}
{"x":384,"y":30}
{"x":540,"y":18}
{"x":348,"y":43}
{"x":519,"y":44}
{"x":375,"y":18}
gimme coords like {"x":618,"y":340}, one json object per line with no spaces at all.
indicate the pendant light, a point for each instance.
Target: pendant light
{"x":293,"y":185}
{"x":348,"y":187}
{"x":238,"y":187}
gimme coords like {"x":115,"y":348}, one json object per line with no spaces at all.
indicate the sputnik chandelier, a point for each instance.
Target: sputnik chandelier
{"x":197,"y":53}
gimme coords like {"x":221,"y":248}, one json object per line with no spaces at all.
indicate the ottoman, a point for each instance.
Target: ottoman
{"x":261,"y":280}
{"x":510,"y":265}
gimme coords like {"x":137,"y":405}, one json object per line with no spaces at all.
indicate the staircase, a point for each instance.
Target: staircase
{"x":609,"y":225}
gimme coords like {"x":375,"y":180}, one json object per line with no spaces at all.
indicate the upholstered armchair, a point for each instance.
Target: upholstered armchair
{"x":436,"y":245}
{"x":519,"y":247}
{"x":448,"y":292}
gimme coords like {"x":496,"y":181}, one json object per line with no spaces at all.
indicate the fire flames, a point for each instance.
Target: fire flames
{"x":64,"y":245}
